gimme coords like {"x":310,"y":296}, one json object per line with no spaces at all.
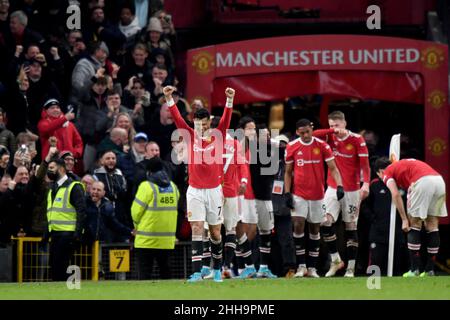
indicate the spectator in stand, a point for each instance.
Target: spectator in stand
{"x":115,"y":107}
{"x":17,"y":202}
{"x":7,"y":138}
{"x":101,"y":222}
{"x":98,"y":28}
{"x":20,"y":34}
{"x":160,"y":80}
{"x":115,"y":186}
{"x":4,"y":12}
{"x":136,"y":154}
{"x":4,"y":232}
{"x":87,"y":181}
{"x":160,"y":128}
{"x":74,"y":45}
{"x":116,"y":141}
{"x":93,"y":120}
{"x":129,"y":23}
{"x":69,"y":160}
{"x":86,"y":68}
{"x":151,"y":151}
{"x":55,"y":123}
{"x":139,"y":66}
{"x":154,"y":36}
{"x":41,"y":88}
{"x":161,"y":56}
{"x":167,"y":25}
{"x":124,"y":121}
{"x":17,"y":104}
{"x":4,"y":160}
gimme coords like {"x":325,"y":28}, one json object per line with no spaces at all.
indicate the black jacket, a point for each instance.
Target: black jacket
{"x":16,"y":208}
{"x":279,"y":206}
{"x":379,"y":204}
{"x":101,"y":223}
{"x":262,"y":183}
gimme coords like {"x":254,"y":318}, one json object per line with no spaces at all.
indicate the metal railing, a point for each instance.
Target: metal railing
{"x":33,"y":263}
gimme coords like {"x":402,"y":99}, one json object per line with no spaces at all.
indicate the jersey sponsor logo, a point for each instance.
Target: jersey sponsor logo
{"x":301,"y":162}
{"x":337,"y":153}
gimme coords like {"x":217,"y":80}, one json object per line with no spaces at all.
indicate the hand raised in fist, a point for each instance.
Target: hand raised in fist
{"x":168,"y":90}
{"x":229,"y":92}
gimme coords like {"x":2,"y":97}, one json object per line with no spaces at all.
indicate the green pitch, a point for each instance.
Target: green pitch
{"x":284,"y":289}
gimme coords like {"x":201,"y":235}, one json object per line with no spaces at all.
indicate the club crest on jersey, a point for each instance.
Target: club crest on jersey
{"x":316,"y":151}
{"x":349,"y":147}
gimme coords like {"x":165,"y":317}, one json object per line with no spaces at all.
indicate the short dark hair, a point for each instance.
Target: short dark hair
{"x":112,"y":92}
{"x":155,"y":164}
{"x":244,"y":121}
{"x":303,"y":123}
{"x":201,"y":114}
{"x":215,"y":122}
{"x":381,"y":163}
{"x":129,"y":5}
{"x":160,"y":66}
{"x":59,"y":162}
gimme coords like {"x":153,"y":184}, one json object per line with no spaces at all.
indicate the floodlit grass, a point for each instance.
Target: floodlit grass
{"x":273,"y":289}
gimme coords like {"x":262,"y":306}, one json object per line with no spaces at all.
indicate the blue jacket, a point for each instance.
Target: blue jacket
{"x":101,"y":223}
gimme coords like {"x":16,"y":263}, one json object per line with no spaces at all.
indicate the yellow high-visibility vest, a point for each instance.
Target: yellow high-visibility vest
{"x":154,"y":213}
{"x":61,"y":215}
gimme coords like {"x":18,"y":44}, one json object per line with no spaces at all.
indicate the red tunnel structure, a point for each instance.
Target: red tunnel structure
{"x":363,"y":67}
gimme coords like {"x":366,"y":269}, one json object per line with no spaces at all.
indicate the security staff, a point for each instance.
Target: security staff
{"x":154,"y":213}
{"x":66,"y":211}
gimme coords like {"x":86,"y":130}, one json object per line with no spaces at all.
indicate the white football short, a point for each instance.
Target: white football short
{"x":426,"y":197}
{"x":312,"y":210}
{"x":349,"y":205}
{"x":205,"y":205}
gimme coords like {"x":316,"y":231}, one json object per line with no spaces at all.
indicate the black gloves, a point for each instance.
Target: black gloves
{"x":340,"y":192}
{"x":289,"y":200}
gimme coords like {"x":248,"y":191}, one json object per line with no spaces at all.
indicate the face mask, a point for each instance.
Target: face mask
{"x":52,"y":175}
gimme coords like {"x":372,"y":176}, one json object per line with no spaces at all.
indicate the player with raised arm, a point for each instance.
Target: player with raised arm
{"x":205,"y":170}
{"x":305,"y":157}
{"x":352,"y":159}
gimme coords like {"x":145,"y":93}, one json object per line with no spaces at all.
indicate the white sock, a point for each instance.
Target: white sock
{"x":351,"y":264}
{"x":302,"y":265}
{"x":249,"y":265}
{"x":335,"y":257}
{"x":240,"y":270}
{"x":262,"y":266}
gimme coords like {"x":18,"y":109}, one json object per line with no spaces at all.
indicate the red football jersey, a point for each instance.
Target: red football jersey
{"x":233,"y":168}
{"x":309,"y":173}
{"x":352,"y":158}
{"x":407,"y":171}
{"x":205,"y":164}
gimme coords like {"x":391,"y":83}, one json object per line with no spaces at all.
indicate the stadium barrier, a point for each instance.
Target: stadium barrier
{"x":118,"y":262}
{"x":105,"y":261}
{"x":33,"y":260}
